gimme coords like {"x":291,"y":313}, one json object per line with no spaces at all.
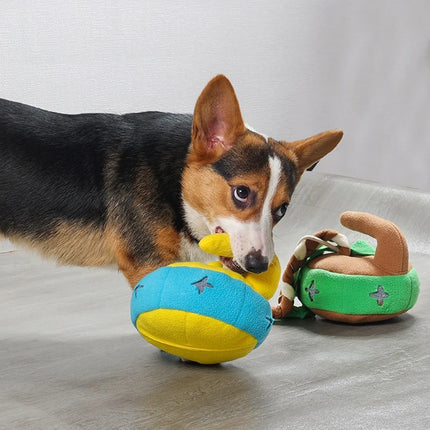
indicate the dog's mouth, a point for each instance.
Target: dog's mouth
{"x":230,"y":262}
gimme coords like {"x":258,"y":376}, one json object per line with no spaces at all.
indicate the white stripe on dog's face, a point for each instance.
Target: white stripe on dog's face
{"x":255,"y":235}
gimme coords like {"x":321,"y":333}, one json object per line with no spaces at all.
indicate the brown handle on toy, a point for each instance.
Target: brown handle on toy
{"x":391,"y":256}
{"x":305,"y":249}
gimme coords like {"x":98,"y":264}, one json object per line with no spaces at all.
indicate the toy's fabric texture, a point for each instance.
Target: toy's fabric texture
{"x":204,"y":312}
{"x":356,"y":284}
{"x":264,"y":283}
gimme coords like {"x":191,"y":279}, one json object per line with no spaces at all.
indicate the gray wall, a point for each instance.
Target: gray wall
{"x":298,"y":67}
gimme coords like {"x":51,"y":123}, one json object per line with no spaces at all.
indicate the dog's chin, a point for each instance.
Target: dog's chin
{"x":231,"y":264}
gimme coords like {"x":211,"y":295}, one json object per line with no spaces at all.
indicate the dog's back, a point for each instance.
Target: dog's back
{"x":66,"y":179}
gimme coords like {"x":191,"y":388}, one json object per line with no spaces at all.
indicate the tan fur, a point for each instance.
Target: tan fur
{"x":166,"y":251}
{"x":217,"y":122}
{"x":305,"y":153}
{"x":203,"y":187}
{"x":167,"y":241}
{"x":132,"y":271}
{"x":72,"y":243}
{"x":283,"y":194}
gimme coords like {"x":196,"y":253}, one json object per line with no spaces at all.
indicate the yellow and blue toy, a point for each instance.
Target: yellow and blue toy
{"x":204,"y":312}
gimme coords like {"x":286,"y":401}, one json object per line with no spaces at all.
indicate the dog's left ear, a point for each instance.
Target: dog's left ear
{"x":217,"y":121}
{"x":309,"y":151}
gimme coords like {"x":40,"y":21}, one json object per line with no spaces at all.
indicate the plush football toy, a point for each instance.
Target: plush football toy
{"x":204,"y":312}
{"x":356,"y":284}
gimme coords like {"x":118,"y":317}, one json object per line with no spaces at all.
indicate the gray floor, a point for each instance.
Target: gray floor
{"x":70,"y":357}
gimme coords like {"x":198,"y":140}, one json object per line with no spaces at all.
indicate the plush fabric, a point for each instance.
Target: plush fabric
{"x":352,"y":284}
{"x":358,"y":294}
{"x":200,"y":313}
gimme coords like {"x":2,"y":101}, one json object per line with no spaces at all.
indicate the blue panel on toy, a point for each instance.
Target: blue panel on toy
{"x":204,"y":292}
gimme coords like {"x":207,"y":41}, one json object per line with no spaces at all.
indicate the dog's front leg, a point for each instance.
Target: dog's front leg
{"x":165,"y":251}
{"x":133,"y":271}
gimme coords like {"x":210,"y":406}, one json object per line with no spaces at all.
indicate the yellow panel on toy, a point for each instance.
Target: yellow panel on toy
{"x":204,"y":312}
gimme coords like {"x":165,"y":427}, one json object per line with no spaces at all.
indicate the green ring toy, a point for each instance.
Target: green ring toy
{"x":356,"y":284}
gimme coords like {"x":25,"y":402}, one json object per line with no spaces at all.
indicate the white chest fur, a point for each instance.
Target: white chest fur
{"x":190,"y":251}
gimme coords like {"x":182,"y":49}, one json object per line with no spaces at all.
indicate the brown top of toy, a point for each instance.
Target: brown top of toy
{"x":391,"y":257}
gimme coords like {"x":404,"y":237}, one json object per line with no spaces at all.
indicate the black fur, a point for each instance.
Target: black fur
{"x":81,"y":168}
{"x":246,"y":159}
{"x":242,"y":160}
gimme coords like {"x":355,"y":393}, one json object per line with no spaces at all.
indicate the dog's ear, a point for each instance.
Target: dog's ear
{"x":309,"y":151}
{"x":217,"y":121}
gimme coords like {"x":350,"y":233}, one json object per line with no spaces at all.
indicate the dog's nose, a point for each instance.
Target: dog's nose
{"x":255,"y":262}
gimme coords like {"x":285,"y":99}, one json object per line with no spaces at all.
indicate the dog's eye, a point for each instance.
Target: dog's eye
{"x":280,"y":211}
{"x":241,"y":195}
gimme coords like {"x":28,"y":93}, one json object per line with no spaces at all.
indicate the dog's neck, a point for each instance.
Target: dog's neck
{"x":194,"y":229}
{"x":195,"y":223}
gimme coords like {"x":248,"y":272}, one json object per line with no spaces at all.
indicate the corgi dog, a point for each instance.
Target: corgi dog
{"x":140,"y":190}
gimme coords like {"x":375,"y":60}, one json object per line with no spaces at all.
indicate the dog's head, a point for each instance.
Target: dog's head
{"x":238,"y":181}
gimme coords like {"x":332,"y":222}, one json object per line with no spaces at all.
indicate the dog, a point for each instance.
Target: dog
{"x":140,"y":190}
